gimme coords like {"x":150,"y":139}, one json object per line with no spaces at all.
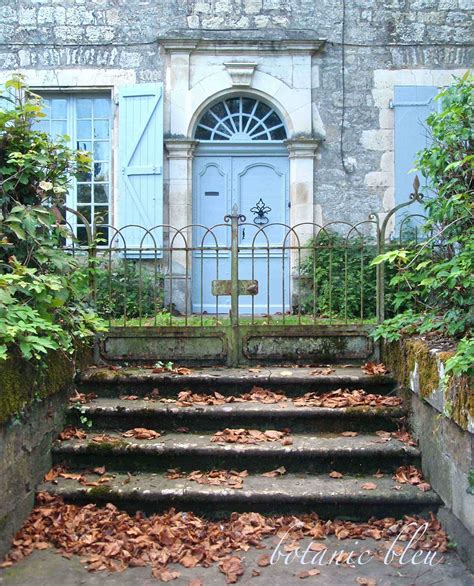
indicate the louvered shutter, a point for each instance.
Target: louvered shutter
{"x":413,"y":105}
{"x":140,"y":198}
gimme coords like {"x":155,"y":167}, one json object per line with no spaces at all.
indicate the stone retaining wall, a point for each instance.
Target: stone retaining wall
{"x":442,"y":420}
{"x":32,"y":402}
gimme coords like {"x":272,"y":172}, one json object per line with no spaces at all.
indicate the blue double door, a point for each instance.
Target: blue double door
{"x":253,"y":184}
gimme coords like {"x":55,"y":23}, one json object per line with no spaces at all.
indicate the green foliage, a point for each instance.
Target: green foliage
{"x":339,"y":279}
{"x":44,"y":292}
{"x":129,"y":289}
{"x":435,"y":279}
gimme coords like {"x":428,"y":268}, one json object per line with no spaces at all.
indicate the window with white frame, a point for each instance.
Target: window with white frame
{"x":87,"y":120}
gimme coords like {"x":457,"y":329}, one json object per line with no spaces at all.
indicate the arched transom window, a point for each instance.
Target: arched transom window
{"x":240,"y":119}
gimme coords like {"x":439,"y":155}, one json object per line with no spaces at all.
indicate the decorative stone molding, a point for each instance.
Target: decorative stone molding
{"x":180,"y":148}
{"x":240,"y":73}
{"x":303,"y":148}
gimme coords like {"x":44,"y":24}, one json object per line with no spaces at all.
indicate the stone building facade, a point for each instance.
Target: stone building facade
{"x":330,"y":71}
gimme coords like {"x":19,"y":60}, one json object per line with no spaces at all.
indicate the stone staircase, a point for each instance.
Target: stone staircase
{"x":137,"y":468}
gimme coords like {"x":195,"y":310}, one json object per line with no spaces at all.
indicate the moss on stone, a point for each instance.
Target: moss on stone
{"x":402,"y":356}
{"x":22,"y":381}
{"x":108,"y":446}
{"x":99,"y":491}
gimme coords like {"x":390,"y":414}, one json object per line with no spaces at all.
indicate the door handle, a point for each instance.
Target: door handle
{"x":243,"y":233}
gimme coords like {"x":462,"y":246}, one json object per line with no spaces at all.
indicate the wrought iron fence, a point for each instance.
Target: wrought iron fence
{"x":237,"y":272}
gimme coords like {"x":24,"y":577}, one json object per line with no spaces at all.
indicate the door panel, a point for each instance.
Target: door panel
{"x":219,"y":183}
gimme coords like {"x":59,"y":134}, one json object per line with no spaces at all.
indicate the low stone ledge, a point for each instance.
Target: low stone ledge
{"x":33,"y":404}
{"x":442,"y":420}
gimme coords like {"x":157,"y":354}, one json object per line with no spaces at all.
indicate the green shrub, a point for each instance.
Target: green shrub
{"x":435,"y":279}
{"x":44,"y":293}
{"x":130,"y":289}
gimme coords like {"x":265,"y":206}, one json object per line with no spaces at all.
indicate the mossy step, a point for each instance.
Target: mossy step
{"x":111,"y":381}
{"x":110,"y":413}
{"x":308,"y":453}
{"x":288,"y":493}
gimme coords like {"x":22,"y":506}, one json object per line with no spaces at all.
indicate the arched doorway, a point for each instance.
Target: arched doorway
{"x":241,"y":160}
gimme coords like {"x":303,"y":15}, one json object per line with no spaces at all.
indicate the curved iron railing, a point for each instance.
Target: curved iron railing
{"x":236,"y":270}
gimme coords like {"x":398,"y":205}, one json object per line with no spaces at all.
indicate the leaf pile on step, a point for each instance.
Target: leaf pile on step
{"x":257,"y":394}
{"x":411,"y":475}
{"x":404,"y":436}
{"x":109,"y":539}
{"x":252,"y":436}
{"x":346,"y":398}
{"x":230,"y":478}
{"x":71,"y":432}
{"x":324,"y":371}
{"x":61,"y":472}
{"x":141,"y":433}
{"x":338,"y":398}
{"x":172,"y":370}
{"x":374,"y":368}
{"x":82,"y":398}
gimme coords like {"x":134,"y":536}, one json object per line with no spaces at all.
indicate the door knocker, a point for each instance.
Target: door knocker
{"x":260,"y":210}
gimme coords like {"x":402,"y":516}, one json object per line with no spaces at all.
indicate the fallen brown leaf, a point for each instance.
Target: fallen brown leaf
{"x":263,"y":561}
{"x":309,"y":573}
{"x":232,"y":568}
{"x":369,"y":486}
{"x":70,"y":432}
{"x":141,"y":433}
{"x":349,"y":433}
{"x":374,"y":368}
{"x":275,"y":473}
{"x":335,"y":474}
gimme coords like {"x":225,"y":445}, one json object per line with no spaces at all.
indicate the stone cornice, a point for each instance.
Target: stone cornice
{"x":242,"y":45}
{"x":180,"y":148}
{"x":302,"y":148}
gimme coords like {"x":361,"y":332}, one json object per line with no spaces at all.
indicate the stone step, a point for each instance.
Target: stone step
{"x":321,"y":452}
{"x":111,"y":381}
{"x":117,"y":414}
{"x":295,"y":493}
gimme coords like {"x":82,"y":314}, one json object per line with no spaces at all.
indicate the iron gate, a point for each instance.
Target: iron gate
{"x":330,"y":295}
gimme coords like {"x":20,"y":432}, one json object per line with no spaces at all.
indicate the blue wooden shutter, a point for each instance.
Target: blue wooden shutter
{"x":140,"y":198}
{"x":413,"y":105}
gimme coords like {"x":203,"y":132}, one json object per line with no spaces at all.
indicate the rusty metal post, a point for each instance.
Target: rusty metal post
{"x":234,"y":218}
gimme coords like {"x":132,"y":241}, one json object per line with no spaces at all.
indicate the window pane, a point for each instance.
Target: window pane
{"x":84,"y":108}
{"x":101,"y":214}
{"x":101,"y":151}
{"x":81,"y":235}
{"x":83,"y":193}
{"x":101,"y":128}
{"x":203,"y":134}
{"x":84,"y":176}
{"x":58,"y":128}
{"x":58,"y":108}
{"x":219,"y":110}
{"x":278,"y":133}
{"x":101,"y":171}
{"x":101,"y":108}
{"x":272,"y":120}
{"x":84,"y":145}
{"x":233,"y":105}
{"x":101,"y":193}
{"x":261,"y":110}
{"x":85,"y":211}
{"x":248,"y":105}
{"x":84,"y":129}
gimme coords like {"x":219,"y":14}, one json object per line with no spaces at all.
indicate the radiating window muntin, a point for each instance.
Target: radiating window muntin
{"x":240,"y":119}
{"x":87,"y":120}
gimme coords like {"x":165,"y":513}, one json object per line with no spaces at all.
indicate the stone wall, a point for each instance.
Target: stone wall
{"x":120,"y":38}
{"x":442,"y":420}
{"x":32,"y":414}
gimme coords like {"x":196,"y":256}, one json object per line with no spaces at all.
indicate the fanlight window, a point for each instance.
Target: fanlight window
{"x":239,"y":120}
